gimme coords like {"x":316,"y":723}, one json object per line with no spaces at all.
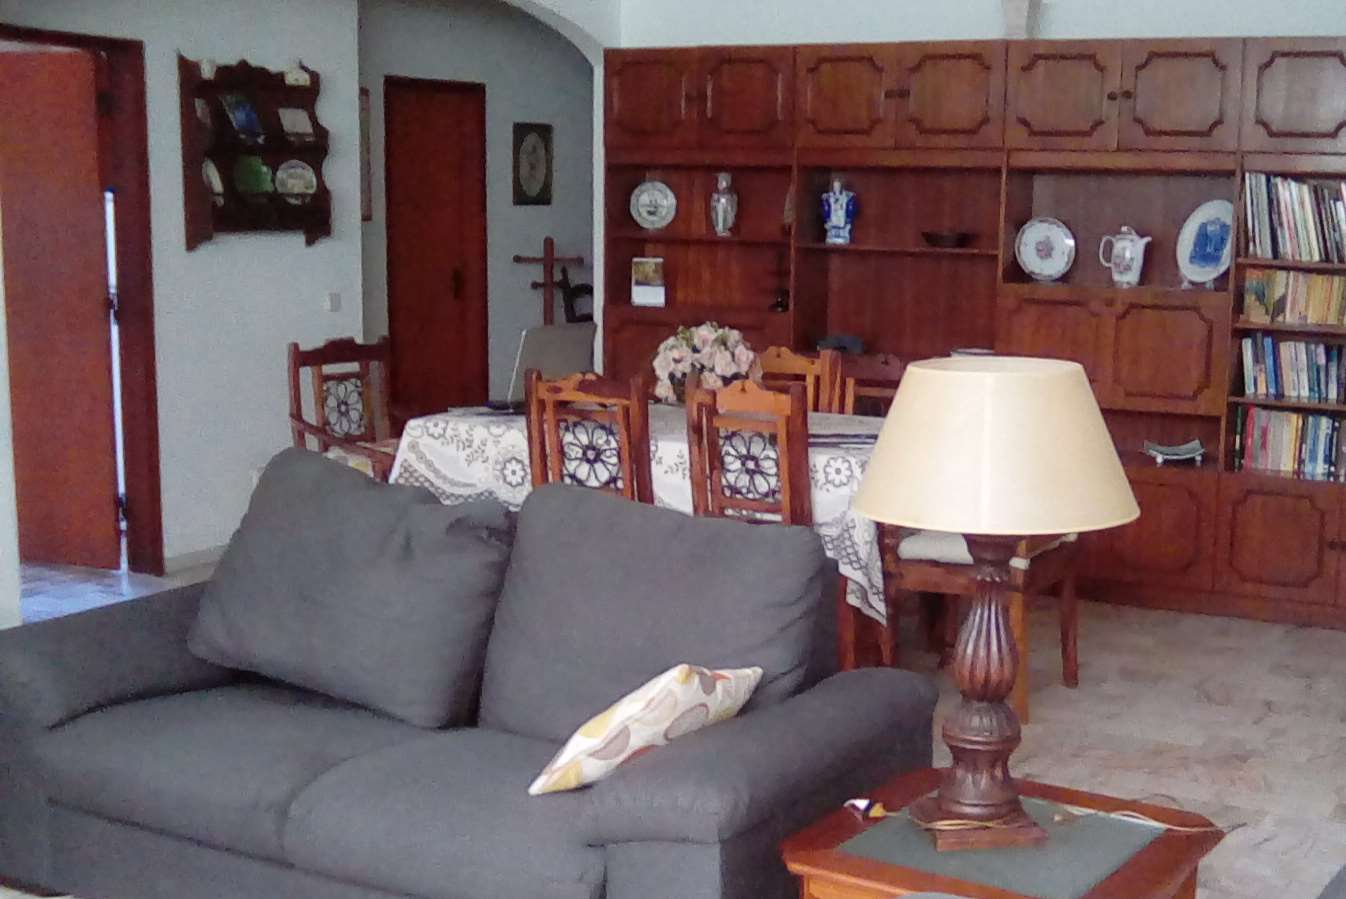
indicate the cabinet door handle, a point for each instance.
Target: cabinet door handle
{"x":897,"y":93}
{"x":1113,"y":95}
{"x":1128,"y":94}
{"x":1336,"y":545}
{"x":456,"y":283}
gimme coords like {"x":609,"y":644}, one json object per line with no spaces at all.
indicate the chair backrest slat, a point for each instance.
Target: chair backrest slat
{"x":593,"y":419}
{"x":866,"y":384}
{"x":782,"y":367}
{"x":748,"y":453}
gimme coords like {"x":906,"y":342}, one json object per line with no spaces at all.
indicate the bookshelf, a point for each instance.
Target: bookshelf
{"x":979,"y":137}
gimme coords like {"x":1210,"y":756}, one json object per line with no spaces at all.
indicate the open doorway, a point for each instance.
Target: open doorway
{"x":79,"y":351}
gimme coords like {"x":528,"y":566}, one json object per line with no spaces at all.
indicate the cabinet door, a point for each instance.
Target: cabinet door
{"x":1180,"y":95}
{"x":1173,"y":542}
{"x":1277,"y":538}
{"x":844,"y":95}
{"x":1056,"y":326}
{"x":651,"y":98}
{"x":1294,"y":95}
{"x":951,"y":94}
{"x":1063,"y":95}
{"x":746,"y":95}
{"x":1170,"y":355}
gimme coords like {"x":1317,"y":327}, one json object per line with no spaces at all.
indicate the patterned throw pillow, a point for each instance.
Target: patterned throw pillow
{"x":683,"y":699}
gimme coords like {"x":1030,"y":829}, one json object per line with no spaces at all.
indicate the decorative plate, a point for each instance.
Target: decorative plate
{"x":1205,"y":241}
{"x":210,"y":173}
{"x":296,"y":181}
{"x":653,"y":205}
{"x":253,"y":176}
{"x":1045,"y":248}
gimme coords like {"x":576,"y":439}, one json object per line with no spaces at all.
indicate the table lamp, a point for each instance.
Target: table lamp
{"x":995,"y":448}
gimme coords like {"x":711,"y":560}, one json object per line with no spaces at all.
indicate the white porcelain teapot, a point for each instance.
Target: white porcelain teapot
{"x":1126,"y":257}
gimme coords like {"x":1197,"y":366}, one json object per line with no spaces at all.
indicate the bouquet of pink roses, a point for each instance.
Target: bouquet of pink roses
{"x":718,"y":356}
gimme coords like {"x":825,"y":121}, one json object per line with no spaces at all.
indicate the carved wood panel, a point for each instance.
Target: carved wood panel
{"x":1295,"y":95}
{"x":1278,"y":537}
{"x":1173,"y":541}
{"x":1170,"y":358}
{"x":1078,"y":330}
{"x":951,"y":94}
{"x":650,"y":98}
{"x":747,"y":97}
{"x":1180,"y":95}
{"x":1063,"y":95}
{"x":843,"y":95}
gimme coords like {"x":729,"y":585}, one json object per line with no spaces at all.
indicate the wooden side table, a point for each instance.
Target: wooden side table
{"x":1165,"y":868}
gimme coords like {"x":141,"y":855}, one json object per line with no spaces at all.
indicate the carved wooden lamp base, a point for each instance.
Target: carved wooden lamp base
{"x":977,"y":806}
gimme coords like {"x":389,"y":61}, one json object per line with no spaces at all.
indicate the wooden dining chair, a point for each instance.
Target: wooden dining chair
{"x":938,"y":564}
{"x":782,"y":367}
{"x":349,"y":390}
{"x":748,"y":454}
{"x":590,"y":431}
{"x":865,"y":385}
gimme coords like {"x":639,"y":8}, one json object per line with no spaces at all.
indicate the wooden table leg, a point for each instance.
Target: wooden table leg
{"x":1070,"y":629}
{"x":1019,"y":630}
{"x":845,"y":628}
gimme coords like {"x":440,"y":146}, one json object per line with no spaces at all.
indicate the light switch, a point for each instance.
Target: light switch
{"x":334,"y":301}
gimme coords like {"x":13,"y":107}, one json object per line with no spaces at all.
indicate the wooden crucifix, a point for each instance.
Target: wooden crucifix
{"x":548,"y":284}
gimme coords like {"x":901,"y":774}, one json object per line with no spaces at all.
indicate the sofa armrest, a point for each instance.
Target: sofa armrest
{"x":55,"y":670}
{"x":720,"y":781}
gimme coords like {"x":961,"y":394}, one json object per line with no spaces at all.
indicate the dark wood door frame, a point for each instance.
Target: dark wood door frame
{"x":123,"y":139}
{"x":442,"y":86}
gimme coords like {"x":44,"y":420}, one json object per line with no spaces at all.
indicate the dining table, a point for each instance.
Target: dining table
{"x":471,"y":453}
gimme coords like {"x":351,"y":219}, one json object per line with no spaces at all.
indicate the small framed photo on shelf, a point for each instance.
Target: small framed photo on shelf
{"x":647,"y":281}
{"x":532,"y":164}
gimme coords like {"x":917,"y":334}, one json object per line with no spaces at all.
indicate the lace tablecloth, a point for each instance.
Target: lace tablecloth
{"x":469,"y":453}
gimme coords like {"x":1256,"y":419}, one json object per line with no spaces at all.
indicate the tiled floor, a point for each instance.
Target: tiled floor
{"x":1242,"y":721}
{"x":49,"y":591}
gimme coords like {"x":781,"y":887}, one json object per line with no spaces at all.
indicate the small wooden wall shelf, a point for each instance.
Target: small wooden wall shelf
{"x":229,"y":170}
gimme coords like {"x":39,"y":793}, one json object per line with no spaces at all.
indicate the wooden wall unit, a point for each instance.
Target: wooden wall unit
{"x":979,"y":137}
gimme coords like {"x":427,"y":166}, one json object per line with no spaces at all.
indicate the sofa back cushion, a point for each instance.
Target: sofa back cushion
{"x":371,"y":593}
{"x":603,"y":593}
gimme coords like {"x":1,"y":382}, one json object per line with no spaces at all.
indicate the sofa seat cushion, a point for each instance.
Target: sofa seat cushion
{"x":602,"y":594}
{"x":447,"y":817}
{"x":218,"y":766}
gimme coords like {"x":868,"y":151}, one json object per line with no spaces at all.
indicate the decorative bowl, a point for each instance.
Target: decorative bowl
{"x":947,"y":240}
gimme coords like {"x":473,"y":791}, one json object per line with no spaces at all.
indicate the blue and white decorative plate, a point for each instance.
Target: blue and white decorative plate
{"x":1205,"y":241}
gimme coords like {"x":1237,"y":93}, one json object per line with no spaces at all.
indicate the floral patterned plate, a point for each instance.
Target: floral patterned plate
{"x":1045,"y":248}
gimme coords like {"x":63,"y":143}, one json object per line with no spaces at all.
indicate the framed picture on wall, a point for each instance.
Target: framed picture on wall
{"x":366,"y":172}
{"x":532,"y":164}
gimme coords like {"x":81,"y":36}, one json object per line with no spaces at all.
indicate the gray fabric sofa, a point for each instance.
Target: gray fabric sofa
{"x":132,"y":769}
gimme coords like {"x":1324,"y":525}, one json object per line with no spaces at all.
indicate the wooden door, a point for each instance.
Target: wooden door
{"x":1057,"y":325}
{"x":844,"y":95}
{"x":746,"y":97}
{"x":1294,"y":95}
{"x":651,"y":98}
{"x":1180,"y":95}
{"x":1173,"y":542}
{"x":435,"y":149}
{"x":60,"y":358}
{"x":951,"y":94}
{"x":1191,"y":334}
{"x":1063,"y":95}
{"x":1278,"y":537}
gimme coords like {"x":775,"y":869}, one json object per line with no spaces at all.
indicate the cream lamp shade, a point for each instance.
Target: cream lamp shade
{"x":996,"y":445}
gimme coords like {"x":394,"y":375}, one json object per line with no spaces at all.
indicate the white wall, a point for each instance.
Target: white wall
{"x":652,"y":23}
{"x":532,"y":74}
{"x":9,"y":524}
{"x":224,"y":312}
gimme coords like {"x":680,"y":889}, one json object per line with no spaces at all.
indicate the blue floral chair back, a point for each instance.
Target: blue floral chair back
{"x":591,"y":432}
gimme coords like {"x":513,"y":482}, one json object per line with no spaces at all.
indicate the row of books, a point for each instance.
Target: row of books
{"x":1292,"y":219}
{"x":1292,"y":369}
{"x":1307,"y":446}
{"x":1274,"y":295}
